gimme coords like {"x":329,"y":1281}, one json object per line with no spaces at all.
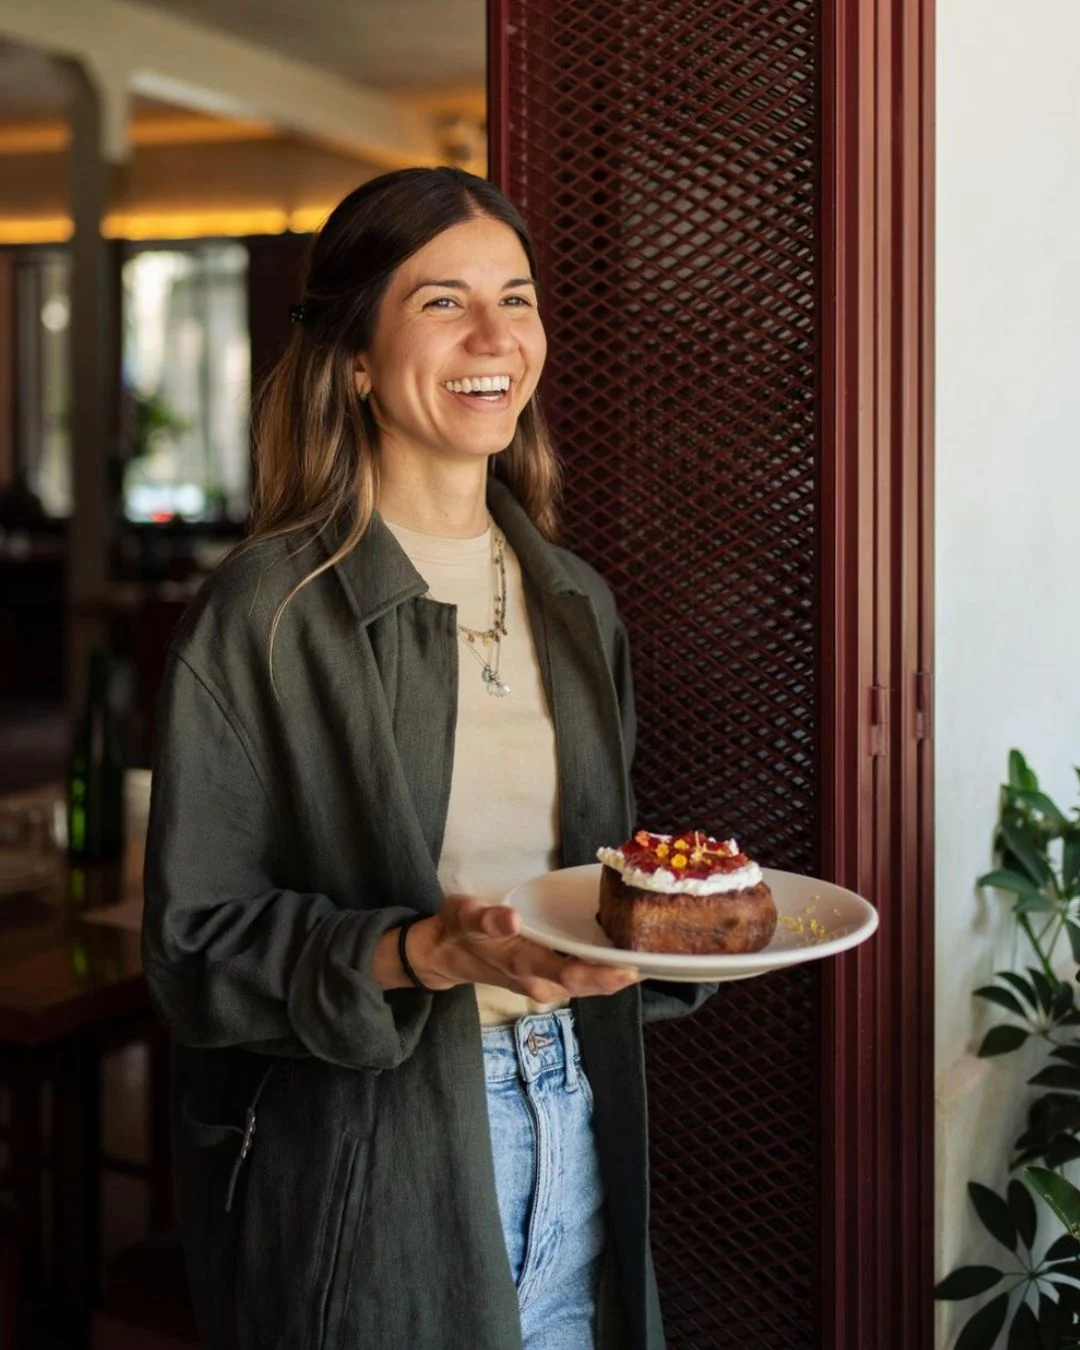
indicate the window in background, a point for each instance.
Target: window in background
{"x":44,"y":426}
{"x":187,"y":382}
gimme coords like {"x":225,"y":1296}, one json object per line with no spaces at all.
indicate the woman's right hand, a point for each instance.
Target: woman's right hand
{"x":468,"y":942}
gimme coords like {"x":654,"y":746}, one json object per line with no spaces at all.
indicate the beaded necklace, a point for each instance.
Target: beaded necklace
{"x":492,"y":637}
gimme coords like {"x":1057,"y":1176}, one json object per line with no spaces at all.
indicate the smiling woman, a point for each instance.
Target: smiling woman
{"x":451,"y":1116}
{"x":450,"y":368}
{"x":435,"y":257}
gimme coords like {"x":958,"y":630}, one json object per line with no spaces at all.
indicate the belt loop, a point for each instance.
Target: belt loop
{"x":570,"y":1050}
{"x":527,"y":1066}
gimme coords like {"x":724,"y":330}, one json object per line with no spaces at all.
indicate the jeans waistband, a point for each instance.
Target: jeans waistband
{"x":537,"y":1044}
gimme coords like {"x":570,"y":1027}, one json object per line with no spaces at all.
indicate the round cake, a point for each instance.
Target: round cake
{"x":684,"y":893}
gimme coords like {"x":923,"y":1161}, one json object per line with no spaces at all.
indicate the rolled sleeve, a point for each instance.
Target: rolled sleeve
{"x":231,"y":958}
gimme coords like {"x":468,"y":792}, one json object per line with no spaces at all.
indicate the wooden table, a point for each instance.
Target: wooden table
{"x":71,"y":988}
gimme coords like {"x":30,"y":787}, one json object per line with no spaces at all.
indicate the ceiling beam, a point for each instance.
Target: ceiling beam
{"x":132,"y":48}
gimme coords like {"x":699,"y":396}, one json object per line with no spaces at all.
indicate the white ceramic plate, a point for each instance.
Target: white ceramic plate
{"x":816,"y":919}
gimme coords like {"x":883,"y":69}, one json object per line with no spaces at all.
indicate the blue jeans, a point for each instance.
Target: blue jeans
{"x":547,"y":1176}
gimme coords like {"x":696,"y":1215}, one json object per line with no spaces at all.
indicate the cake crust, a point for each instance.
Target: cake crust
{"x":729,"y":922}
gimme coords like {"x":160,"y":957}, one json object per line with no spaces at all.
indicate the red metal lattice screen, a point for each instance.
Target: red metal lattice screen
{"x":665,"y":156}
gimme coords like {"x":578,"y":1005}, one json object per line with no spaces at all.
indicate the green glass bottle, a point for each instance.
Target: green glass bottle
{"x":96,"y":774}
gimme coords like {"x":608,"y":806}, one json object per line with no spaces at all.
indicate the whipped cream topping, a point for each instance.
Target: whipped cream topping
{"x":688,"y":864}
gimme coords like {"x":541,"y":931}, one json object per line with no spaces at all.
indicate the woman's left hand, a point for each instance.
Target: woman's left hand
{"x":469,"y":942}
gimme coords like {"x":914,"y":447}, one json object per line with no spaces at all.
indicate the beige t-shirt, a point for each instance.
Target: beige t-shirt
{"x":502,"y":821}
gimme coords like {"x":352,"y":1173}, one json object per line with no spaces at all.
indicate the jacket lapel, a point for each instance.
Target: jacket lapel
{"x":410,"y":643}
{"x":593,"y":808}
{"x":414,"y":642}
{"x":594,"y":804}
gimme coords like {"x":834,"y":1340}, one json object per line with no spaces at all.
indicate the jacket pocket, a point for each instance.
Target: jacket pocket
{"x":203,"y":1134}
{"x":341,"y":1224}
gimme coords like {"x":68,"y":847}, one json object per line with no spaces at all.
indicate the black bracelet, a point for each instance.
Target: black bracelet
{"x":403,"y":933}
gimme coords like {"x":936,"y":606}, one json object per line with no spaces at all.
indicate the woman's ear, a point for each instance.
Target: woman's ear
{"x":361,"y":378}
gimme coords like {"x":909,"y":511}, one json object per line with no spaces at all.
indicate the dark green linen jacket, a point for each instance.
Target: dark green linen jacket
{"x":335,"y":1178}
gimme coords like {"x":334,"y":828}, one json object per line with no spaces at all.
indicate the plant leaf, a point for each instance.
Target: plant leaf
{"x":1044,"y":990}
{"x":1001,"y":997}
{"x":994,"y":1213}
{"x":1003,"y":1039}
{"x":1061,"y":1195}
{"x":1068,"y":1295}
{"x":1062,"y":1000}
{"x":1020,"y":776}
{"x":1061,"y":1248}
{"x":1005,"y":879}
{"x":1063,"y":1077}
{"x":1027,"y":852}
{"x":967,"y":1281}
{"x":1070,"y":1268}
{"x":1064,"y":1149}
{"x":1024,"y":1332}
{"x":1070,"y":861}
{"x":983,"y":1329}
{"x":1053,"y":1321}
{"x":1073,"y":931}
{"x":1032,"y":903}
{"x":1046,"y":807}
{"x":1053,"y":1116}
{"x":1020,"y":985}
{"x":1069,"y":1053}
{"x":1022,"y":1209}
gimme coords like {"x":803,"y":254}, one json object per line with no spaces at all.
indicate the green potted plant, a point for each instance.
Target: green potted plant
{"x":1038,"y":851}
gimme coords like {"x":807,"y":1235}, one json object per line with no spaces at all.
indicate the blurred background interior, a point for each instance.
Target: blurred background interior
{"x":211,"y":137}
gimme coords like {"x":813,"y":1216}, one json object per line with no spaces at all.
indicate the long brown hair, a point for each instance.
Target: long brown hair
{"x":316,"y":442}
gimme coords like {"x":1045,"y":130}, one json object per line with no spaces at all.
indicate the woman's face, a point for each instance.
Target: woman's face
{"x":460,"y":311}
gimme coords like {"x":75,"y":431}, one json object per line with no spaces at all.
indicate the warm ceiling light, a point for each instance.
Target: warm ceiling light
{"x":308,"y":219}
{"x":192,"y":224}
{"x":38,"y":138}
{"x":466,"y":101}
{"x":45,"y":230}
{"x":197,"y":130}
{"x":170,"y":224}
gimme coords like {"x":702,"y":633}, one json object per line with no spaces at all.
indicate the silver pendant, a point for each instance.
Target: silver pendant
{"x":494,"y":684}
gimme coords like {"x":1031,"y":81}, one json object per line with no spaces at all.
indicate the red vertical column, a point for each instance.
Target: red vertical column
{"x":665,"y":156}
{"x":876,"y":677}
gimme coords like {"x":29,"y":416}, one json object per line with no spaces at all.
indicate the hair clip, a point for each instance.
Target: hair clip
{"x":297,"y":313}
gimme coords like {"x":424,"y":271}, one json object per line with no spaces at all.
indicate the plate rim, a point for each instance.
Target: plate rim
{"x":677,"y":963}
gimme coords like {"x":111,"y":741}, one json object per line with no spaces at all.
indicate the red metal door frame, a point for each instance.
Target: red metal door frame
{"x":875,"y":76}
{"x":877,"y":65}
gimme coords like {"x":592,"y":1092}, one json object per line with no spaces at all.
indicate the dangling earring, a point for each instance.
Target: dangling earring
{"x":363,"y":398}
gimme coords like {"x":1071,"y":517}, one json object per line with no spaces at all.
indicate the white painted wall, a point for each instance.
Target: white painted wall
{"x":1008,"y":524}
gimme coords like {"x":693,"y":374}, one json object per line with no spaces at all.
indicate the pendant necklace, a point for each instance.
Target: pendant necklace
{"x":490,"y":639}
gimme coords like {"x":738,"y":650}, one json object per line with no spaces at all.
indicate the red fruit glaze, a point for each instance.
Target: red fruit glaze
{"x":701,"y":855}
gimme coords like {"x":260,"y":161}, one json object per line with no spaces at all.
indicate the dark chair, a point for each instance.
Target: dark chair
{"x":146,"y":1305}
